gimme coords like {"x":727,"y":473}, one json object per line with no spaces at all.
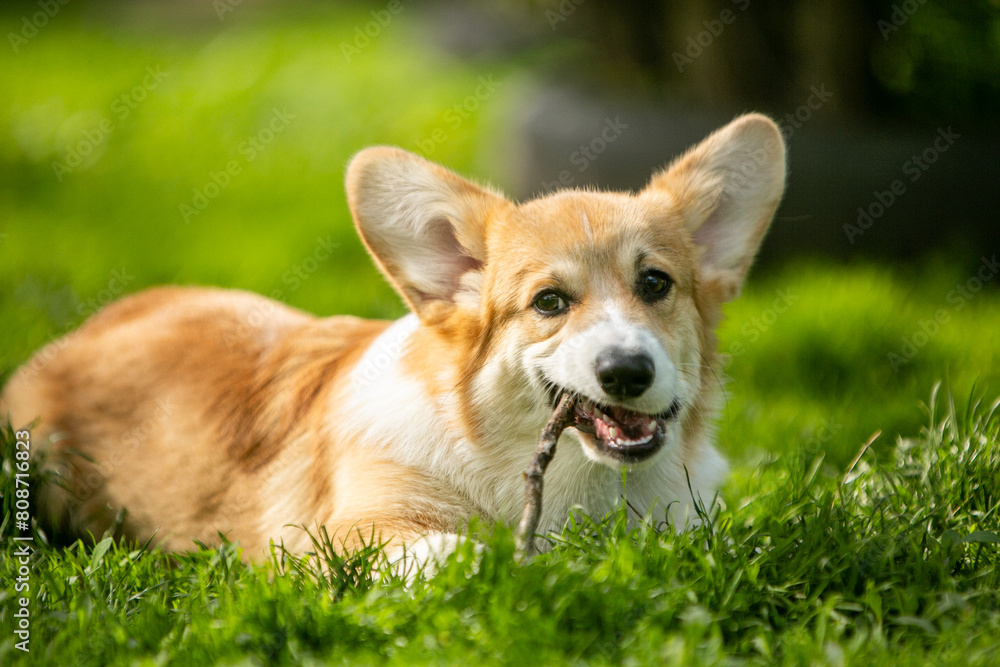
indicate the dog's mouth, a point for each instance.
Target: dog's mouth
{"x":619,"y":433}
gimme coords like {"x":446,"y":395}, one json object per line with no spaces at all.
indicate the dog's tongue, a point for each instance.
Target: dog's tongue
{"x":618,"y":425}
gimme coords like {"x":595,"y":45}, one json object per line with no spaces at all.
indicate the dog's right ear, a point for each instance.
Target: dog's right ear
{"x":424,"y":225}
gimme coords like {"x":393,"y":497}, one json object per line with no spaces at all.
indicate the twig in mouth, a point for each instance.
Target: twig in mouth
{"x":533,"y":476}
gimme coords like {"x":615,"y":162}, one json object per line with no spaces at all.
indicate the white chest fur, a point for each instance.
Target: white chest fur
{"x":392,"y":413}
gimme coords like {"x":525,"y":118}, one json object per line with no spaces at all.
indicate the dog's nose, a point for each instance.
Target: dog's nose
{"x":624,"y":375}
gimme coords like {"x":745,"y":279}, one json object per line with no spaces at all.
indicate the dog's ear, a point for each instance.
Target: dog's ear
{"x":424,"y":225}
{"x":727,"y":188}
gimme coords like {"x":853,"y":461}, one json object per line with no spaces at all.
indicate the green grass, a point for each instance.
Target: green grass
{"x":892,"y":561}
{"x":821,"y":375}
{"x":810,"y":560}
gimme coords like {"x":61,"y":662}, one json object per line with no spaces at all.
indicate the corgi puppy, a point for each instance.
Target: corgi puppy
{"x":205,"y":410}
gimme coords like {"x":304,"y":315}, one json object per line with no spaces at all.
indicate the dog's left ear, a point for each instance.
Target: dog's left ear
{"x":728,"y":188}
{"x":424,"y":225}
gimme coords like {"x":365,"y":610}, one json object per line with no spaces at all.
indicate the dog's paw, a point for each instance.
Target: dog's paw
{"x":425,"y":555}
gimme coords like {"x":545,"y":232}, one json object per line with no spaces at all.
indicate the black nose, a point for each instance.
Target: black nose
{"x":624,"y":375}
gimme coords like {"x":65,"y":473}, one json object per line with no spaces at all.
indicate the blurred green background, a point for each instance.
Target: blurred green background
{"x":204,"y":143}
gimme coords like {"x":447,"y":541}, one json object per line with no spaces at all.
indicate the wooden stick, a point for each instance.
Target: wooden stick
{"x":533,"y":476}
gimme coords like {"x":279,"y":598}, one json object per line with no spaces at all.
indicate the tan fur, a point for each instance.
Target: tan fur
{"x":206,"y":410}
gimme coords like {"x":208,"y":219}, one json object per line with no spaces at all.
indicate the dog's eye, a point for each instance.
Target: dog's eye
{"x":550,"y":303}
{"x":654,"y":285}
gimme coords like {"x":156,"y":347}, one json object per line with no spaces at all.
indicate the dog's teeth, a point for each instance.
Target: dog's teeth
{"x":613,"y":432}
{"x":652,"y":424}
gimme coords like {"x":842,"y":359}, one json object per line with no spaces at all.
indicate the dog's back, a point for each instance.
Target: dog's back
{"x":171,"y":403}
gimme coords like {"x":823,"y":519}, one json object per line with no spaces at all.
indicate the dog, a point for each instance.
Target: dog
{"x":199,"y":411}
